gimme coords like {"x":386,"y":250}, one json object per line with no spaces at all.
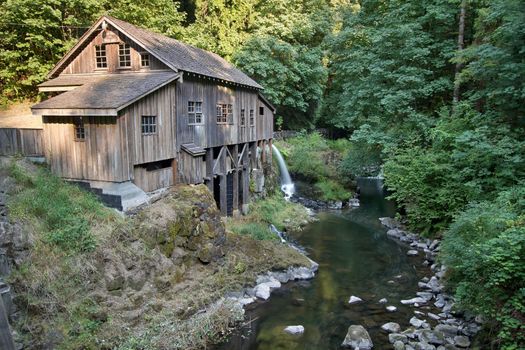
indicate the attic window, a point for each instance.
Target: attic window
{"x":124,"y":56}
{"x":261,"y":110}
{"x":149,"y":124}
{"x":194,"y":112}
{"x":252,"y":117}
{"x":144,"y":60}
{"x":243,"y":117}
{"x":224,"y":113}
{"x":100,"y":56}
{"x":80,"y":131}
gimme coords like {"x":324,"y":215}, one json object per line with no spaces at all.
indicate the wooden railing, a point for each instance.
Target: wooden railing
{"x":26,"y":142}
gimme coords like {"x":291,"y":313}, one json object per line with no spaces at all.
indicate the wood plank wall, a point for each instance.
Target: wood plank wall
{"x":192,"y":169}
{"x":211,"y":134}
{"x":27,"y":142}
{"x":102,"y":156}
{"x":160,"y":145}
{"x":154,"y":179}
{"x":85,"y":62}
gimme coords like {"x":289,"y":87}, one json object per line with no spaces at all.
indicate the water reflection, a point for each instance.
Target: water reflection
{"x":356,"y":258}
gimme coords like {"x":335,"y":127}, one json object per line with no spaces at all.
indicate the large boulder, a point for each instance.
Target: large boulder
{"x":357,"y":338}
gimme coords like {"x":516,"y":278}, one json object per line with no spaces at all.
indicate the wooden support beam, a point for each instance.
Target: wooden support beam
{"x":235,"y":155}
{"x":253,"y":155}
{"x":209,"y":168}
{"x":245,"y":181}
{"x":263,"y":151}
{"x":223,"y":183}
{"x":175,"y":171}
{"x":270,"y":154}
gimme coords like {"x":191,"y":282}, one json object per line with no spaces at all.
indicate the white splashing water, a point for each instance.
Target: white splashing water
{"x":287,"y":186}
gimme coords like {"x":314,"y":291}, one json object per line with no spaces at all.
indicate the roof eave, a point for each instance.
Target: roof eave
{"x":75,"y":112}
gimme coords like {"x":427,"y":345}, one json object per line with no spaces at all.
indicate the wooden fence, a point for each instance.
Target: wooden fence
{"x":27,"y":142}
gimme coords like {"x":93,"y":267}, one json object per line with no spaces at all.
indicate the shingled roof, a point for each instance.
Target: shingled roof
{"x":107,"y":95}
{"x":175,"y":54}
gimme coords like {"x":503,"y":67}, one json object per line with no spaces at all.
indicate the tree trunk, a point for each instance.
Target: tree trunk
{"x":461,"y":44}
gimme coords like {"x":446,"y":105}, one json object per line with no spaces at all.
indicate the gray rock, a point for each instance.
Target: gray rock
{"x":391,"y":327}
{"x":416,"y":322}
{"x":433,"y":316}
{"x":354,"y":300}
{"x":302,"y":273}
{"x":394,"y":233}
{"x":424,"y":346}
{"x":383,"y":301}
{"x":432,"y":337}
{"x":461,"y":341}
{"x":262,"y":291}
{"x":391,"y":308}
{"x":412,"y":252}
{"x":425,"y":295}
{"x":357,"y":338}
{"x":294,"y":330}
{"x":434,"y":285}
{"x":447,"y":330}
{"x":353,"y":203}
{"x":389,"y":222}
{"x":399,"y":345}
{"x":395,"y":337}
{"x":418,"y":300}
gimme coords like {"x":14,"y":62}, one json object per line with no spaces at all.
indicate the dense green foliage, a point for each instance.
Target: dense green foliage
{"x":485,"y":252}
{"x":64,"y":213}
{"x":313,"y":158}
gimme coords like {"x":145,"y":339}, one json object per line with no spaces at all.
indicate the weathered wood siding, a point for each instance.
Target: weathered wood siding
{"x":154,"y":179}
{"x":192,"y":170}
{"x":102,"y":156}
{"x":210,"y":133}
{"x":160,"y":145}
{"x":85,"y":62}
{"x":27,"y":142}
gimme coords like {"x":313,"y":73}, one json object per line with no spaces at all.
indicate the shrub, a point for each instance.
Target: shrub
{"x":65,"y":211}
{"x":485,"y":252}
{"x":330,"y":190}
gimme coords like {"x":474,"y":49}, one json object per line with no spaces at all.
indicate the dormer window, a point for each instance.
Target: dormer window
{"x":144,"y":60}
{"x":100,"y":56}
{"x":124,"y":56}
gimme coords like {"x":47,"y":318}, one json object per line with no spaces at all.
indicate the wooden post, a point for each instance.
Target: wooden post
{"x":223,"y":184}
{"x":6,"y":341}
{"x":263,"y":151}
{"x":253,"y":153}
{"x":270,"y":154}
{"x":209,"y":168}
{"x":235,"y":155}
{"x":245,"y":161}
{"x":175,"y":171}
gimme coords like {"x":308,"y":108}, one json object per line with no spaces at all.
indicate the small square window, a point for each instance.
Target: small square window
{"x":252,"y":117}
{"x":144,"y":60}
{"x":243,"y":117}
{"x":80,"y":131}
{"x":124,"y":55}
{"x":149,"y":124}
{"x":194,"y":112}
{"x":100,"y":56}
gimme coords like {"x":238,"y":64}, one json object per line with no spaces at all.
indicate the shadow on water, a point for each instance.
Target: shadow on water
{"x":355,"y":258}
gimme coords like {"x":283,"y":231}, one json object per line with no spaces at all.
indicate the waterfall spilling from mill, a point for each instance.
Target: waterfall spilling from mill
{"x":287,"y":186}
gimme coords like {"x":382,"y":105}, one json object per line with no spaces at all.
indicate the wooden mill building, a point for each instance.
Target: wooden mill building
{"x":136,"y":111}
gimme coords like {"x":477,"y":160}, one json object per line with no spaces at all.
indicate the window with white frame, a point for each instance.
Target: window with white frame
{"x":100,"y":56}
{"x":149,"y":124}
{"x":252,"y":117}
{"x":224,"y":113}
{"x":195,"y":112}
{"x":144,"y":59}
{"x":124,"y":55}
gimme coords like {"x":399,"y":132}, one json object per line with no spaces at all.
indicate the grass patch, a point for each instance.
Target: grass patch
{"x":274,"y":210}
{"x":64,"y":212}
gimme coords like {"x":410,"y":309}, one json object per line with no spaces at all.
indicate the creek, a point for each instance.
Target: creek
{"x":355,"y":257}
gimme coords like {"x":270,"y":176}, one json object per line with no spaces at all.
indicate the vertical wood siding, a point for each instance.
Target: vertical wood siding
{"x":85,"y":62}
{"x":27,"y":142}
{"x":100,"y":156}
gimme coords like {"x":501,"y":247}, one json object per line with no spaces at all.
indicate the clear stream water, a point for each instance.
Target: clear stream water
{"x":355,"y":258}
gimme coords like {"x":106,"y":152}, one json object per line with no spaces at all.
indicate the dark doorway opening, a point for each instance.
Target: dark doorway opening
{"x":217,"y":192}
{"x":229,"y":194}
